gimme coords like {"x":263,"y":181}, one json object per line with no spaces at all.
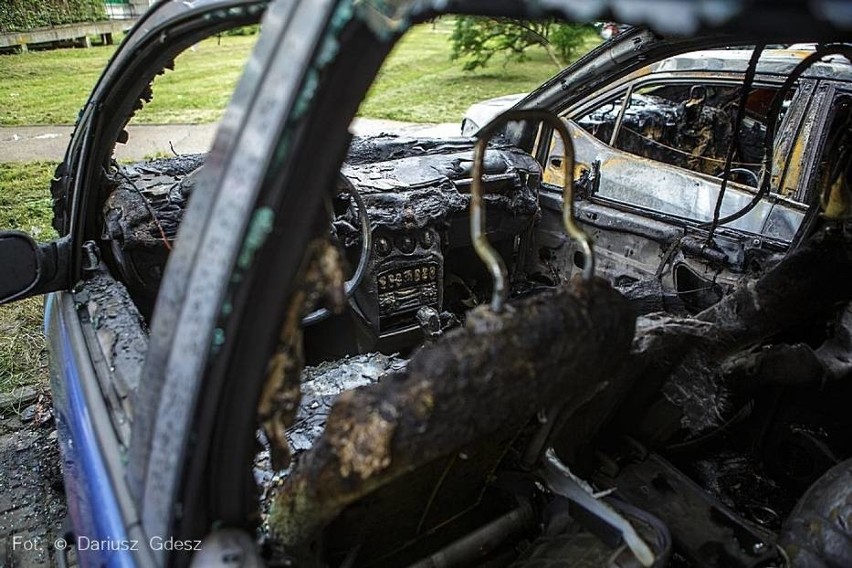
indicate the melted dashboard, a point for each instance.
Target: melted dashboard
{"x":417,"y":195}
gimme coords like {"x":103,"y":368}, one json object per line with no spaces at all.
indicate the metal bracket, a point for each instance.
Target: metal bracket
{"x":483,"y":248}
{"x":563,"y":482}
{"x":91,"y":256}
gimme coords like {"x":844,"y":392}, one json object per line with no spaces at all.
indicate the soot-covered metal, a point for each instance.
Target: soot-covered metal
{"x":416,"y":193}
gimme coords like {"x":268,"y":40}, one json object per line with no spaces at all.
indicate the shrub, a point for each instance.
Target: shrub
{"x":24,"y":15}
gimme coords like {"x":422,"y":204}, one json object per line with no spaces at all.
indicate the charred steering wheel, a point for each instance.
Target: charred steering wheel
{"x":364,"y":258}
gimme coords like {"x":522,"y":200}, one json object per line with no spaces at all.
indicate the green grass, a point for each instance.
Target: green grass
{"x":50,"y":87}
{"x":418,"y":83}
{"x":25,"y":198}
{"x":199,"y":88}
{"x":23,"y":352}
{"x":25,"y":206}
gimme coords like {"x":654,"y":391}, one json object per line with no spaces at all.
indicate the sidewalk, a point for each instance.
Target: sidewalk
{"x":30,"y":143}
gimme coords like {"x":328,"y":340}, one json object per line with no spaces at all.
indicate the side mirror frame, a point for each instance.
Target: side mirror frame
{"x":29,"y":269}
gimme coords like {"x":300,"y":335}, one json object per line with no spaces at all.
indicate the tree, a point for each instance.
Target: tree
{"x":478,"y":39}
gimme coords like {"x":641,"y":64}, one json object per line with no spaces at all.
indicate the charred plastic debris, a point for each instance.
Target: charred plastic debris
{"x":141,"y":216}
{"x":573,"y":429}
{"x":417,"y":198}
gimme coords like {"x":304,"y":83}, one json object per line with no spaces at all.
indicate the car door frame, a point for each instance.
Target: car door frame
{"x":104,"y":514}
{"x":811,"y":146}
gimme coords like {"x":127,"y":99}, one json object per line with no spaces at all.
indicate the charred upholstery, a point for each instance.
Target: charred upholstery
{"x":685,"y":358}
{"x":816,"y":534}
{"x":475,"y":386}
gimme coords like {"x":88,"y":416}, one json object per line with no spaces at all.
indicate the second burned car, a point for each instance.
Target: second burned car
{"x":654,"y":144}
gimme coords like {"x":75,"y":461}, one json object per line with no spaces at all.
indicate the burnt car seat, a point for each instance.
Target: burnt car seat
{"x":402,"y":457}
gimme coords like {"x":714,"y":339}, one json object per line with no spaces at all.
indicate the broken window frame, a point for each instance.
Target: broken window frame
{"x":814,"y":140}
{"x":810,"y":138}
{"x":705,"y":79}
{"x":107,"y":338}
{"x":651,"y":87}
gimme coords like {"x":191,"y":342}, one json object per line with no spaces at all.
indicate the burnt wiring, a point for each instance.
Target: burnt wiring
{"x":729,"y":160}
{"x":772,"y":125}
{"x":744,"y":412}
{"x":668,"y":255}
{"x":741,"y":113}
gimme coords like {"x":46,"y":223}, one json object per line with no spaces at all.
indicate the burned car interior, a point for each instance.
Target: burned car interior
{"x":492,"y":367}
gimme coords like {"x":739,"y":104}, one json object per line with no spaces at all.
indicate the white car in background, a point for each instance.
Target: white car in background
{"x":480,"y":114}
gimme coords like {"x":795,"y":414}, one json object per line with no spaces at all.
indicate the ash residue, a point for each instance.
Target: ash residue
{"x":739,"y":481}
{"x":321,"y":385}
{"x":653,"y":329}
{"x":700,"y":393}
{"x":384,"y":147}
{"x":681,"y":350}
{"x":175,"y":166}
{"x":332,"y":378}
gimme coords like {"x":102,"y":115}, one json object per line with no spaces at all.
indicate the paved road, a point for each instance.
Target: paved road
{"x":26,"y":143}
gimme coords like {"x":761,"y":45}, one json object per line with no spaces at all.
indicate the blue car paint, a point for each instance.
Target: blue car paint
{"x":92,"y":501}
